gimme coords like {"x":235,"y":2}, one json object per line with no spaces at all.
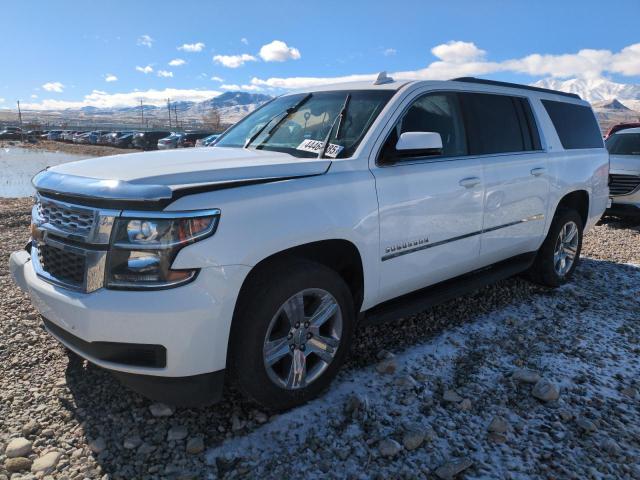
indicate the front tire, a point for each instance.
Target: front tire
{"x":559,"y":255}
{"x":291,"y":333}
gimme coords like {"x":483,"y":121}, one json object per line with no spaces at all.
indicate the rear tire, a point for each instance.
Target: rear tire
{"x":291,"y":332}
{"x":559,"y":255}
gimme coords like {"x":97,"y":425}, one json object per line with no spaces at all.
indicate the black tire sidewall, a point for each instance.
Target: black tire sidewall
{"x":547,"y":272}
{"x":259,"y":302}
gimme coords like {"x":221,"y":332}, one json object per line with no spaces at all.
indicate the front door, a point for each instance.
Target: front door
{"x":430,"y":207}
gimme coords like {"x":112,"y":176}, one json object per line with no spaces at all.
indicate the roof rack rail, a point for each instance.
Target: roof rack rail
{"x":497,"y":83}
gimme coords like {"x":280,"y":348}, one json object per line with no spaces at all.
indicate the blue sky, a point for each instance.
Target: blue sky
{"x":71,"y":53}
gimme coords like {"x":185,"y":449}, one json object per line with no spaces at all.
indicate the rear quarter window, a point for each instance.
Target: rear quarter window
{"x":576,"y":125}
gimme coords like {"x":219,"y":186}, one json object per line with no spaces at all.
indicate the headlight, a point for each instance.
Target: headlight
{"x":144,"y":245}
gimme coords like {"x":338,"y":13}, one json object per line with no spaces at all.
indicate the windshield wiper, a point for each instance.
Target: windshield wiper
{"x":284,"y":116}
{"x":339,"y":120}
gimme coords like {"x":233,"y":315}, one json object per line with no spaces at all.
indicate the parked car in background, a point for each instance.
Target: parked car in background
{"x":171,"y":141}
{"x":54,"y":135}
{"x":207,"y":141}
{"x":190,"y":267}
{"x":189,"y":139}
{"x":10,"y":133}
{"x":124,"y":140}
{"x":148,"y":140}
{"x":621,"y":126}
{"x":624,"y":176}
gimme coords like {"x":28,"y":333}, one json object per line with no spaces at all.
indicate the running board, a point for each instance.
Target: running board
{"x":426,"y":298}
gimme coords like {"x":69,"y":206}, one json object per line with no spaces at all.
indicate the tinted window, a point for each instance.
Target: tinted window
{"x":436,"y":112}
{"x":576,"y":125}
{"x":495,"y":124}
{"x":624,"y":144}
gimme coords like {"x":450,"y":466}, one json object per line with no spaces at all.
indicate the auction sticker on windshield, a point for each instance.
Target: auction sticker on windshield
{"x":315,"y":146}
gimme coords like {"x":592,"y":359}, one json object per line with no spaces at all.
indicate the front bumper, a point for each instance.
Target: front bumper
{"x":190,"y":323}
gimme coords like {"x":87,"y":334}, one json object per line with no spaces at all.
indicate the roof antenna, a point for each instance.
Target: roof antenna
{"x":382,"y":79}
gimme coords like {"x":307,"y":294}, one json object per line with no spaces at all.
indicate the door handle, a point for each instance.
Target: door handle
{"x":536,"y":172}
{"x":469,"y":182}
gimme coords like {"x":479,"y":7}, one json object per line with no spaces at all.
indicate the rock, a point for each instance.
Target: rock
{"x":611,"y":447}
{"x":46,"y":463}
{"x":586,"y":425}
{"x":17,"y":464}
{"x":261,"y":417}
{"x":451,"y":396}
{"x":405,"y":381}
{"x":30,"y":427}
{"x":526,"y":376}
{"x":384,"y":355}
{"x":496,"y":437}
{"x":132,"y":442}
{"x":387,"y":366}
{"x":161,"y":410}
{"x":498,"y":425}
{"x":629,"y":392}
{"x":355,"y":403}
{"x":177,"y":433}
{"x":97,"y":445}
{"x":146,"y":449}
{"x":195,"y":445}
{"x":465,"y":405}
{"x":389,"y":447}
{"x":545,"y":390}
{"x":18,"y":447}
{"x":449,"y":470}
{"x":413,"y":438}
{"x":237,"y":423}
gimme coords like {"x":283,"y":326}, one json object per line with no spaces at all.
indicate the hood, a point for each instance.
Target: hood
{"x":625,"y":163}
{"x":158,"y":175}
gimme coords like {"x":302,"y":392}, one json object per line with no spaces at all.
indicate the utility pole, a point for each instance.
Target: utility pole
{"x":141,"y":114}
{"x":169,"y":108}
{"x":175,"y":111}
{"x":20,"y":120}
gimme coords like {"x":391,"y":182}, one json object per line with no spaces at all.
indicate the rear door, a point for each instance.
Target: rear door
{"x":430,"y":206}
{"x":502,"y":130}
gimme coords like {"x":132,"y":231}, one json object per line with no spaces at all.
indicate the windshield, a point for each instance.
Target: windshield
{"x":302,"y":132}
{"x":624,"y":144}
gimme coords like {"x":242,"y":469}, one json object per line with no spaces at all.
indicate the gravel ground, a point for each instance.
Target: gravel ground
{"x":86,"y":150}
{"x":514,"y":381}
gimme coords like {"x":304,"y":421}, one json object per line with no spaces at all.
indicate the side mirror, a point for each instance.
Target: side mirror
{"x":419,"y":143}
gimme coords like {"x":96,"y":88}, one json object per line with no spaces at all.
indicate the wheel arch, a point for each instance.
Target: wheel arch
{"x":577,"y":200}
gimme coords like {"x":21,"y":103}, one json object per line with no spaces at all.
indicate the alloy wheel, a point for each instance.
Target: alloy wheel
{"x":302,"y":339}
{"x":566,"y":249}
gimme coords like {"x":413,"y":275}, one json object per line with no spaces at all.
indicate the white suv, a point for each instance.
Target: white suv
{"x":254,"y":260}
{"x":624,"y":178}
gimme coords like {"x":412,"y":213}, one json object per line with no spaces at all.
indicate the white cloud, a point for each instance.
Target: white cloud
{"x":165,"y":74}
{"x":176,"y":62}
{"x":244,"y":40}
{"x":458,"y":52}
{"x":145,"y":70}
{"x":459,"y":59}
{"x":53,"y":87}
{"x":110,"y":77}
{"x":217,"y":79}
{"x":388,"y":52}
{"x":234,"y":61}
{"x":278,"y":51}
{"x":233,"y":86}
{"x":144,"y":41}
{"x":2,"y":100}
{"x":192,"y":47}
{"x":33,"y":95}
{"x":102,"y":99}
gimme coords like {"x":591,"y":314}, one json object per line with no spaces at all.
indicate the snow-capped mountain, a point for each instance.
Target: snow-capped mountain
{"x":596,"y":90}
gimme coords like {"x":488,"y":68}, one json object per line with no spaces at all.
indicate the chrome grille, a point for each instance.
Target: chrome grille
{"x":623,"y":184}
{"x":66,"y":267}
{"x":69,"y":219}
